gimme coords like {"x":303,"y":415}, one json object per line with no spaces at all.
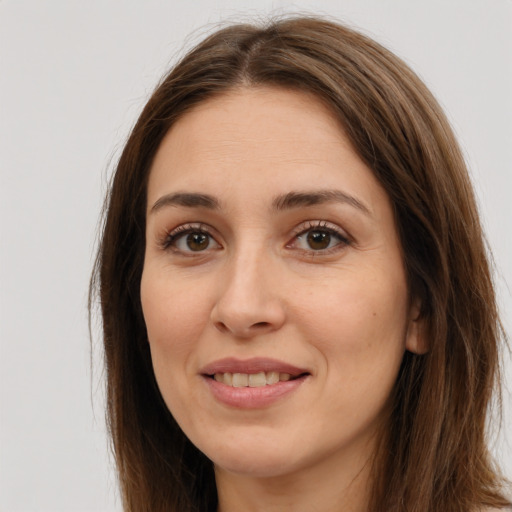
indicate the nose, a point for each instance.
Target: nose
{"x":249,"y":301}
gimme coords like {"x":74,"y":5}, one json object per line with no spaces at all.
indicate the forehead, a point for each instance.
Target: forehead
{"x":267,"y":139}
{"x":256,"y":116}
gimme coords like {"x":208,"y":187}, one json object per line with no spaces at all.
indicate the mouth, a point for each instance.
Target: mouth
{"x":252,"y":383}
{"x":254,"y":380}
{"x":252,"y":373}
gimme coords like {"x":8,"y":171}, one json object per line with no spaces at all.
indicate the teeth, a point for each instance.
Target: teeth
{"x":252,"y":380}
{"x":272,"y":377}
{"x":257,"y":380}
{"x":240,"y":380}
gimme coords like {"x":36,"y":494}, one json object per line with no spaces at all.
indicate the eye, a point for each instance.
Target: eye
{"x":190,"y":239}
{"x":195,"y":242}
{"x":319,"y":237}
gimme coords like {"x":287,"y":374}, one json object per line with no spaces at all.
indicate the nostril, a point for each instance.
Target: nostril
{"x":243,"y":331}
{"x":260,"y":325}
{"x":221,"y":327}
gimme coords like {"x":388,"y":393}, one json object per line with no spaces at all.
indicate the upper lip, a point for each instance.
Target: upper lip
{"x":253,"y":365}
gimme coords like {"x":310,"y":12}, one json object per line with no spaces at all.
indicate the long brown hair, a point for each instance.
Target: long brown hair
{"x":434,"y":457}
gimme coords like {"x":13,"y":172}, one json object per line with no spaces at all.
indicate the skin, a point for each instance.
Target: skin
{"x":259,"y":289}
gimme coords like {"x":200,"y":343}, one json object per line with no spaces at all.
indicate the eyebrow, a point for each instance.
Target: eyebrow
{"x":315,"y":197}
{"x":282,"y":202}
{"x":187,"y":199}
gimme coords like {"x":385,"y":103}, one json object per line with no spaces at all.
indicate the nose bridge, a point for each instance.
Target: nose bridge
{"x":248,"y":302}
{"x":248,"y":261}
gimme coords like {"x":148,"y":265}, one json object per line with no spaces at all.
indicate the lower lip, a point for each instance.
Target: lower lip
{"x":253,"y":398}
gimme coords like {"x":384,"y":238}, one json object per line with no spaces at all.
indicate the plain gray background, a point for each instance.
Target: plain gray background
{"x":73,"y":77}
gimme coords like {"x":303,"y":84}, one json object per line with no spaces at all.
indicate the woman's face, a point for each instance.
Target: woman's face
{"x":273,"y":288}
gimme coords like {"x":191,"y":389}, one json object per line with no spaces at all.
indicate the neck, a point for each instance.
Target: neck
{"x":329,"y":487}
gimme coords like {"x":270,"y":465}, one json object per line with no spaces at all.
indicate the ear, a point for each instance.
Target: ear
{"x":416,"y":339}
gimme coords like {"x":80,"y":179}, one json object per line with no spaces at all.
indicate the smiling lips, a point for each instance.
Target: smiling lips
{"x":252,"y":383}
{"x":252,"y":380}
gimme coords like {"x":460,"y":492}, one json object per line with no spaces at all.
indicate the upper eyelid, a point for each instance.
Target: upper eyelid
{"x":170,"y":236}
{"x":190,"y":226}
{"x":301,"y":228}
{"x":320,"y":224}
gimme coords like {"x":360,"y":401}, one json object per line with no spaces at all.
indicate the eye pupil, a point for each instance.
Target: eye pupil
{"x":197,"y":241}
{"x":319,"y":239}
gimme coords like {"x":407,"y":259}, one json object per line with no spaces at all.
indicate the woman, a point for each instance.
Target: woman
{"x":297,"y":306}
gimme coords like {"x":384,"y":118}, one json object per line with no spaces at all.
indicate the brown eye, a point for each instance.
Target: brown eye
{"x":320,"y":237}
{"x":189,"y":239}
{"x":197,"y":241}
{"x":318,"y":240}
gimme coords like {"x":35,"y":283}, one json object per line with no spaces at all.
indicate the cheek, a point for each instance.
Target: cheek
{"x":359,"y":327}
{"x":174,"y":320}
{"x":360,"y":337}
{"x":172,"y":315}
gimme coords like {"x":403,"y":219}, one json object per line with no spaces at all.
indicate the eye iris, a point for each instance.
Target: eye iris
{"x":319,"y":239}
{"x":197,"y":241}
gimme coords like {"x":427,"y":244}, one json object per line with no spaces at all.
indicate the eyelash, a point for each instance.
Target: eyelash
{"x":321,"y":226}
{"x":171,"y":238}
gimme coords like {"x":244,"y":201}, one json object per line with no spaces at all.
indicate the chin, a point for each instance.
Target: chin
{"x":245,"y":466}
{"x":255,"y":459}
